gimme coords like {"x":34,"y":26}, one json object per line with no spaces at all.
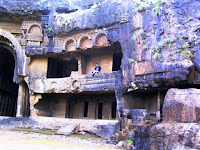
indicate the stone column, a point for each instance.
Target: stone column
{"x":27,"y":110}
{"x":118,"y":95}
{"x":34,"y":98}
{"x":158,"y":107}
{"x":19,"y":101}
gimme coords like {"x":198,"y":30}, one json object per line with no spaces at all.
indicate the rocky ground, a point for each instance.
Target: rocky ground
{"x":19,"y":133}
{"x":15,"y":140}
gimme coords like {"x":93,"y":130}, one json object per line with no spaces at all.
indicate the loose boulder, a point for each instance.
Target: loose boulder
{"x":182,"y":105}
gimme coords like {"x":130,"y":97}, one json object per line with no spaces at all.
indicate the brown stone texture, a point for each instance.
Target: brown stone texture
{"x":166,"y":136}
{"x":179,"y":136}
{"x":38,"y":67}
{"x":182,"y":105}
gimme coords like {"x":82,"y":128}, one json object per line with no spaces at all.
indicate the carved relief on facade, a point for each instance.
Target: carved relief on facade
{"x":75,"y":85}
{"x":11,"y":27}
{"x":26,"y":24}
{"x":34,"y":35}
{"x":81,"y":41}
{"x":100,"y":40}
{"x":85,"y":42}
{"x":70,"y":44}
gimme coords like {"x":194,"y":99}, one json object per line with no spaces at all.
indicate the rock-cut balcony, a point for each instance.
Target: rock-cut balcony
{"x":77,"y":83}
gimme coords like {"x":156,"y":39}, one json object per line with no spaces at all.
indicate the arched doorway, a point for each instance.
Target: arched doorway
{"x":8,"y":89}
{"x":13,"y":69}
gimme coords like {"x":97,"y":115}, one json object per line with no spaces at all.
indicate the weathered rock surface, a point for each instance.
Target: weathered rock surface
{"x":167,"y":37}
{"x":153,"y":73}
{"x":138,"y":116}
{"x":178,"y":136}
{"x":104,"y":131}
{"x":16,"y":122}
{"x":67,"y":129}
{"x":62,"y":126}
{"x":182,"y":105}
{"x":125,"y":145}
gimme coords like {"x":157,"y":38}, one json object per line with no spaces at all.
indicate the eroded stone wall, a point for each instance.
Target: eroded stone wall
{"x":38,"y":67}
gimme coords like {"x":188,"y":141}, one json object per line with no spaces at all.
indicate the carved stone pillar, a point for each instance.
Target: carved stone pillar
{"x":118,"y":95}
{"x":34,"y":100}
{"x":158,"y":107}
{"x":19,"y":101}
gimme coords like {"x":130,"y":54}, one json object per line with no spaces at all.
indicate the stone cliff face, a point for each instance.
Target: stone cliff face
{"x":167,"y":136}
{"x":159,"y":36}
{"x":159,"y":41}
{"x":181,"y":105}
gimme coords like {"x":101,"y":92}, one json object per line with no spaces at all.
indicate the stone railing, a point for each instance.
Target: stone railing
{"x":79,"y":83}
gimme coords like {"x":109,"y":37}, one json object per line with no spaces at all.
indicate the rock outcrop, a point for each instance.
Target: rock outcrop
{"x":182,"y":105}
{"x":177,"y":136}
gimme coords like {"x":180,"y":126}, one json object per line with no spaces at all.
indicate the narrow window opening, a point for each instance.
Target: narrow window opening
{"x":68,"y":110}
{"x":113,"y":112}
{"x":100,"y":110}
{"x":85,"y":109}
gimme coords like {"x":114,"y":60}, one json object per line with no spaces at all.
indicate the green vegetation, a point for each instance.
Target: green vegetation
{"x":49,"y":132}
{"x":184,"y":48}
{"x":129,"y":141}
{"x":157,"y":55}
{"x":195,"y":36}
{"x":63,"y":21}
{"x":148,"y":122}
{"x":53,"y":132}
{"x":169,"y":42}
{"x":146,"y":47}
{"x":86,"y":136}
{"x":138,"y":32}
{"x":144,"y":5}
{"x":157,"y":6}
{"x":131,"y":60}
{"x":155,"y":51}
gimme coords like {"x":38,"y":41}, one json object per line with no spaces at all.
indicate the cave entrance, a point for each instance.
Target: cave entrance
{"x":78,"y":106}
{"x":59,"y":67}
{"x":8,"y":89}
{"x":117,"y":59}
{"x":147,"y":101}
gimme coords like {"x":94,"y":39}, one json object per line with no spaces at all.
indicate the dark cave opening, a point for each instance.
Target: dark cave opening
{"x":8,"y":89}
{"x":59,"y":68}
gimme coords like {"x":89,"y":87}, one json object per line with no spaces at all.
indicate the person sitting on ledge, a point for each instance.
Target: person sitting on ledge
{"x":97,"y":69}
